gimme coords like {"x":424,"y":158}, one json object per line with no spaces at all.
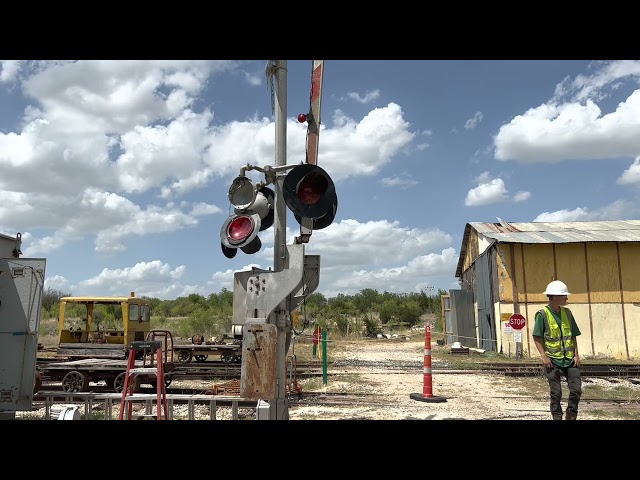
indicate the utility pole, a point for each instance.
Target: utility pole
{"x":263,"y":300}
{"x":279,"y":408}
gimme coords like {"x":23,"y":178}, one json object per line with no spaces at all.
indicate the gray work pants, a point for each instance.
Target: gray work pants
{"x":574,"y":382}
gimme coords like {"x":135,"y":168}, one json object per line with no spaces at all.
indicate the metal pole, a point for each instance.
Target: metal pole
{"x":324,"y":356}
{"x":279,"y":408}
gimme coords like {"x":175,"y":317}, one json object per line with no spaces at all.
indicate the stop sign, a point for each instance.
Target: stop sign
{"x":517,"y":321}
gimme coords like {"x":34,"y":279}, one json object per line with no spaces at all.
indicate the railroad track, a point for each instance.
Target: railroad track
{"x":515,"y":369}
{"x":213,"y":370}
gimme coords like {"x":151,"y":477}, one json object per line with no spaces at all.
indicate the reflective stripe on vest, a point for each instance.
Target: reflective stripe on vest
{"x":558,"y":343}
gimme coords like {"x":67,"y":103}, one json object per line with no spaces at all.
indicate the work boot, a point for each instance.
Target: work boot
{"x":571,"y":415}
{"x":557,"y":416}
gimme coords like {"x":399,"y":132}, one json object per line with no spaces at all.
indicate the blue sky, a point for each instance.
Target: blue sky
{"x":117,"y":172}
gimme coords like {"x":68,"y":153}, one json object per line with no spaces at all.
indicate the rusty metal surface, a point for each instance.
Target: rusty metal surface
{"x":259,"y":361}
{"x":551,"y":232}
{"x":561,"y":232}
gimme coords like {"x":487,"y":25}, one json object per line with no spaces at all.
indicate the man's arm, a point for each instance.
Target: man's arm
{"x":576,"y":356}
{"x":543,"y":356}
{"x":538,"y":338}
{"x":575,"y":332}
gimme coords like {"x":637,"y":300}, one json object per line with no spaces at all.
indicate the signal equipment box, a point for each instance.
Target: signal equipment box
{"x":21,"y":288}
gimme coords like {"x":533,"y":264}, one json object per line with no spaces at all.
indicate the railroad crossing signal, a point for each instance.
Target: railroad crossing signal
{"x":253,"y":213}
{"x":310,"y":193}
{"x":517,"y":321}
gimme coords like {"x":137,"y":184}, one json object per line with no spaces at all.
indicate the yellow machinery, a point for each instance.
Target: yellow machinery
{"x":102,"y":327}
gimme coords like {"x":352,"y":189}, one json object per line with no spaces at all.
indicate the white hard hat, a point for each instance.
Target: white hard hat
{"x":557,"y":288}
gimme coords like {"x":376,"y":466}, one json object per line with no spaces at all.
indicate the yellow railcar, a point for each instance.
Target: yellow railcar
{"x":102,"y":327}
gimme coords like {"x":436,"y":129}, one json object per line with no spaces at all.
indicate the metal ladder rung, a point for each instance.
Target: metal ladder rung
{"x":144,"y":370}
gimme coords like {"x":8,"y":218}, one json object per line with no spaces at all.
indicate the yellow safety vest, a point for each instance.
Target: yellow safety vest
{"x":558,"y":343}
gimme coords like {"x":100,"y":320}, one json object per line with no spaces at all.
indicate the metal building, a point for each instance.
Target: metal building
{"x":503,"y":269}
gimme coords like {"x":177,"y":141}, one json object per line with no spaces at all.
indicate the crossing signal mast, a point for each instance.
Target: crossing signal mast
{"x":263,"y":300}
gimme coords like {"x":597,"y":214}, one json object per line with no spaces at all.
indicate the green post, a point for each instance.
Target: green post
{"x":324,"y":356}
{"x":316,"y":333}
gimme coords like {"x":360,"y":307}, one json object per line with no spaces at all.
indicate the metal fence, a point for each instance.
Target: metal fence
{"x":220,"y":407}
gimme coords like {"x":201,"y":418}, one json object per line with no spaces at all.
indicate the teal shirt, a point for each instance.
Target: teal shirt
{"x":538,"y":331}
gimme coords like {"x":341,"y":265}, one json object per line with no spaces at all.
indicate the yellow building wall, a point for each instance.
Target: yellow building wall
{"x":604,"y":277}
{"x":632,"y":321}
{"x":630,"y":263}
{"x":571,"y":267}
{"x":607,"y":340}
{"x":607,"y":310}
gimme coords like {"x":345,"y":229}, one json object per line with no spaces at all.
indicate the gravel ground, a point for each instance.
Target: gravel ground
{"x":385,"y":381}
{"x":470,"y":396}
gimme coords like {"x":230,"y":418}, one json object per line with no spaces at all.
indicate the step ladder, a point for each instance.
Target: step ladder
{"x":155,"y":367}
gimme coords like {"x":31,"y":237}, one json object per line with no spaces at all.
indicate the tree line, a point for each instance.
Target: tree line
{"x":368,"y":312}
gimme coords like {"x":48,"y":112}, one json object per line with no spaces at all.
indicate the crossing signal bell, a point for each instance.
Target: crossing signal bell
{"x":309,"y":193}
{"x":253,"y":213}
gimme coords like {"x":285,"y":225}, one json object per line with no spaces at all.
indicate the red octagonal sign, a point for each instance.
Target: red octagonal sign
{"x":517,"y":321}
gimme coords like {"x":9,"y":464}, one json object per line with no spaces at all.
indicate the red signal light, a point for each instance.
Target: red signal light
{"x":302,"y":118}
{"x":312,"y":188}
{"x":309,"y":192}
{"x":239,"y":229}
{"x":253,"y":213}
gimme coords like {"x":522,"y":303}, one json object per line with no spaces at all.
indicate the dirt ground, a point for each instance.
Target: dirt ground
{"x":385,"y":380}
{"x":470,"y":395}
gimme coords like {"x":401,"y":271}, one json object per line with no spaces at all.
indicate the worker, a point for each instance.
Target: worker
{"x":554,"y":333}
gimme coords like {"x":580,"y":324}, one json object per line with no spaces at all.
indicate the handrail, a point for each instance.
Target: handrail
{"x":107,"y":399}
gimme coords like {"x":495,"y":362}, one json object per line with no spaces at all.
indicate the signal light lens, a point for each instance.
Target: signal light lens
{"x":302,"y":118}
{"x":239,"y":229}
{"x":253,"y":213}
{"x":309,"y":192}
{"x":312,"y":188}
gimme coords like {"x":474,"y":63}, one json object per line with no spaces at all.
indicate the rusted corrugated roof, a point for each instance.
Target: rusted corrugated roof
{"x":552,"y":232}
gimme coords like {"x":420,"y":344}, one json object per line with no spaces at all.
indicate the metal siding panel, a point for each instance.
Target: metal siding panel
{"x":464,"y":324}
{"x":562,"y":232}
{"x":472,"y":250}
{"x":505,"y":285}
{"x":572,"y":270}
{"x":486,"y":331}
{"x":21,"y":299}
{"x":630,"y":264}
{"x":608,"y":332}
{"x":540,"y":270}
{"x":520,"y":273}
{"x":632,"y":315}
{"x":451,"y":323}
{"x":604,"y":278}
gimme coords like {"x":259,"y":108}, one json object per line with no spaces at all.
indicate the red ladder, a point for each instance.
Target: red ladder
{"x":155,"y":368}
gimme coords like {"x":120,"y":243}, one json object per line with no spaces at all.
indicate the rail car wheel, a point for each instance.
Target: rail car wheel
{"x":118,"y":382}
{"x":227,"y":357}
{"x":201,"y":358}
{"x":184,"y":356}
{"x":75,"y":381}
{"x":37,"y":382}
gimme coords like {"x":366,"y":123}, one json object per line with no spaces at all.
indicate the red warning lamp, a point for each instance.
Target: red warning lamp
{"x":239,"y":229}
{"x":253,"y":213}
{"x":309,"y":192}
{"x":311,"y":188}
{"x":302,"y":118}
